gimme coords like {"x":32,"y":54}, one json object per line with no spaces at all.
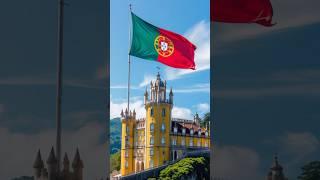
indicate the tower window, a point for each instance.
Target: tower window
{"x":163,"y":140}
{"x":151,"y":152}
{"x":126,"y":164}
{"x":151,"y":163}
{"x":127,"y":140}
{"x":127,"y":129}
{"x":163,"y":127}
{"x":151,"y":141}
{"x":175,"y":129}
{"x":151,"y":112}
{"x":151,"y":127}
{"x":163,"y":112}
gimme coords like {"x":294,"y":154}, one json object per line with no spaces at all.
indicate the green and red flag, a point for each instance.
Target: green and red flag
{"x":157,"y":44}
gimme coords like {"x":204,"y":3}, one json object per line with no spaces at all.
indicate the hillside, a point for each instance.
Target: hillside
{"x":115,"y":135}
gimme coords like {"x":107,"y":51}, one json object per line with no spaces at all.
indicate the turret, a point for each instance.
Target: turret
{"x":196,"y":119}
{"x":66,"y":167}
{"x":44,"y":174}
{"x":134,"y":114}
{"x":77,"y":166}
{"x":276,"y":171}
{"x":38,"y":166}
{"x":52,"y":165}
{"x":171,"y":96}
{"x":122,"y":115}
{"x":146,"y":97}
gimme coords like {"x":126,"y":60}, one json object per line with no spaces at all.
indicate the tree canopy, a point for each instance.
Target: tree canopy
{"x":310,"y":171}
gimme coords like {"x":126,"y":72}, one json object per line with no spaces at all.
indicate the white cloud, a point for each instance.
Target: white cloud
{"x":137,"y":104}
{"x":205,"y":87}
{"x":115,"y":108}
{"x":300,"y":143}
{"x":199,"y":35}
{"x":203,"y":108}
{"x":233,"y":162}
{"x":183,"y":113}
{"x":146,"y":81}
{"x":16,"y":163}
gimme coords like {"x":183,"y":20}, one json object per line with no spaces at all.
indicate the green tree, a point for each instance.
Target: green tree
{"x":115,"y":161}
{"x":186,"y":167}
{"x":205,"y":119}
{"x":310,"y":171}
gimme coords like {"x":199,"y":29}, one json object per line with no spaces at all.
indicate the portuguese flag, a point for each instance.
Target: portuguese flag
{"x":157,"y":44}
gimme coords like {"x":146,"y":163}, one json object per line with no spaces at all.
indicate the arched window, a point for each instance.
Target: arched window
{"x":127,"y":153}
{"x":207,"y":134}
{"x":151,"y":112}
{"x":163,"y":140}
{"x":151,"y":141}
{"x":126,"y":164}
{"x":184,"y":131}
{"x":191,"y":131}
{"x":163,"y":127}
{"x":127,"y":129}
{"x":163,"y":112}
{"x":191,"y":142}
{"x":175,"y":129}
{"x":151,"y":152}
{"x":151,"y":127}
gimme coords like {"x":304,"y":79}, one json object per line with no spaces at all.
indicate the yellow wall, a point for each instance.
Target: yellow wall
{"x":129,"y":148}
{"x":161,"y":152}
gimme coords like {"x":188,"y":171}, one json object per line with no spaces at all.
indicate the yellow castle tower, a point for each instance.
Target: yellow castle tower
{"x":158,"y":138}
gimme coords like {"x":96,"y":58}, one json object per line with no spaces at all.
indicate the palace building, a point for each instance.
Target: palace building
{"x":158,"y":138}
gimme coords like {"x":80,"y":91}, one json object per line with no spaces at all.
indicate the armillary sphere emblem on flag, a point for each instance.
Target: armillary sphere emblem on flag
{"x":164,"y":46}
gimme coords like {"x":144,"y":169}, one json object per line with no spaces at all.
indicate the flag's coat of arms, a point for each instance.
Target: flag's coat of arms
{"x":164,"y":46}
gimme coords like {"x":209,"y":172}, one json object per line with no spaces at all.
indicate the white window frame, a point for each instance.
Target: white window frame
{"x":151,"y":141}
{"x":151,"y":126}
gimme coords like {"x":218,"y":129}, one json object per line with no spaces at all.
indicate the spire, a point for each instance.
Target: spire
{"x":122,"y":115}
{"x":77,"y":162}
{"x":126,"y":112}
{"x":52,"y":157}
{"x":134,"y":113}
{"x":66,"y":161}
{"x":38,"y":163}
{"x":146,"y":92}
{"x":158,"y":76}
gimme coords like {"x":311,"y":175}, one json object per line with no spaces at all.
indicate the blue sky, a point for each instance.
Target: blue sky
{"x":191,"y":89}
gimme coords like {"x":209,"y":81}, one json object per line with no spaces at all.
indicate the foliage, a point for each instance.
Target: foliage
{"x":205,"y":120}
{"x":115,"y":135}
{"x":115,"y":161}
{"x":310,"y":171}
{"x":186,"y":167}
